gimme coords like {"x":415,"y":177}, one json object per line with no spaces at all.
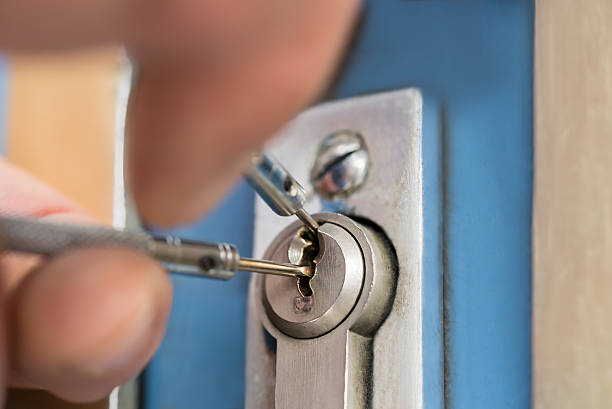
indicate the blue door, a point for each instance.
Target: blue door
{"x":475,"y":58}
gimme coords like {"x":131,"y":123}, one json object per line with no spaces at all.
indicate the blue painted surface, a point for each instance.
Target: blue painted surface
{"x":475,"y":58}
{"x":433,"y":217}
{"x":201,"y":361}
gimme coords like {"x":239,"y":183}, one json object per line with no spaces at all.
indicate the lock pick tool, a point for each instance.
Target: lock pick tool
{"x":211,"y":260}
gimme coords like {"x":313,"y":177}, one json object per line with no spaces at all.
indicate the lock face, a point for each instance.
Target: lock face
{"x":350,"y":295}
{"x":328,"y":297}
{"x":334,"y":349}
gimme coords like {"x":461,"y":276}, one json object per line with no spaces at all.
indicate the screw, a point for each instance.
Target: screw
{"x":303,"y":251}
{"x":341,"y":165}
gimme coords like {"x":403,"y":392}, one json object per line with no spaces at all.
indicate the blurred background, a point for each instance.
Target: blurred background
{"x":49,"y":103}
{"x":529,"y":82}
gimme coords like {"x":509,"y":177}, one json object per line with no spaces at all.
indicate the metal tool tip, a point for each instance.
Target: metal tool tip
{"x":307,"y":220}
{"x":274,"y":268}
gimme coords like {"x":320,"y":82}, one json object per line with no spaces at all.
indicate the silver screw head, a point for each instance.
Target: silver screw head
{"x":341,"y":165}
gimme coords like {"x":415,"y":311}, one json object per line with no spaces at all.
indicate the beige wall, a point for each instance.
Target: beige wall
{"x":572,"y":232}
{"x":60,"y":126}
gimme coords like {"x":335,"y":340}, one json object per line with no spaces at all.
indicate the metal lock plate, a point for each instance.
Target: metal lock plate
{"x":359,"y":363}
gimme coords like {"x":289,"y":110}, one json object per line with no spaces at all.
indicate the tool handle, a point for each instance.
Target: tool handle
{"x":211,"y":260}
{"x":275,"y":185}
{"x":50,"y":238}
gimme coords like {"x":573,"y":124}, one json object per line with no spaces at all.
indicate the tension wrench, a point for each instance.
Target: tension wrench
{"x":278,"y":189}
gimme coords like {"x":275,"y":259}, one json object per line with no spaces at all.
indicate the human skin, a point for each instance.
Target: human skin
{"x":216,"y":78}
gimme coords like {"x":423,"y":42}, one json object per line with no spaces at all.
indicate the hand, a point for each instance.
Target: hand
{"x":82,"y":323}
{"x":216,"y":79}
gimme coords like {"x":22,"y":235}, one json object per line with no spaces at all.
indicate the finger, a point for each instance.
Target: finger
{"x":88,"y":321}
{"x":193,"y":126}
{"x":218,"y":77}
{"x":187,"y":27}
{"x":21,"y":194}
{"x":37,"y":24}
{"x":81,"y":323}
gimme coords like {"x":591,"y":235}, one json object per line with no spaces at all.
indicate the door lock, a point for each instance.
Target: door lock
{"x":350,"y":336}
{"x":319,"y":323}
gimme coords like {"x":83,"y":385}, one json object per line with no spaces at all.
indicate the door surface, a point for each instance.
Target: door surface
{"x":475,"y":59}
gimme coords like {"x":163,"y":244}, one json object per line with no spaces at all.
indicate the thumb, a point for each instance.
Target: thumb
{"x":81,"y":323}
{"x":87,"y":321}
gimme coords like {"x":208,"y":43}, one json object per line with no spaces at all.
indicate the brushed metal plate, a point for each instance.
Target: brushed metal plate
{"x":392,"y":197}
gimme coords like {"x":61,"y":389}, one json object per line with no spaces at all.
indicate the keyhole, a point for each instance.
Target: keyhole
{"x":303,"y":251}
{"x":304,"y":288}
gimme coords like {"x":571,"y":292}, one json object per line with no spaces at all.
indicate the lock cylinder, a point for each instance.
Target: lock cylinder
{"x":354,"y":276}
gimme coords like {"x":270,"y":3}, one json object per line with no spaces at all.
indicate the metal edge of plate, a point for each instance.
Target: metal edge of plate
{"x":392,"y":197}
